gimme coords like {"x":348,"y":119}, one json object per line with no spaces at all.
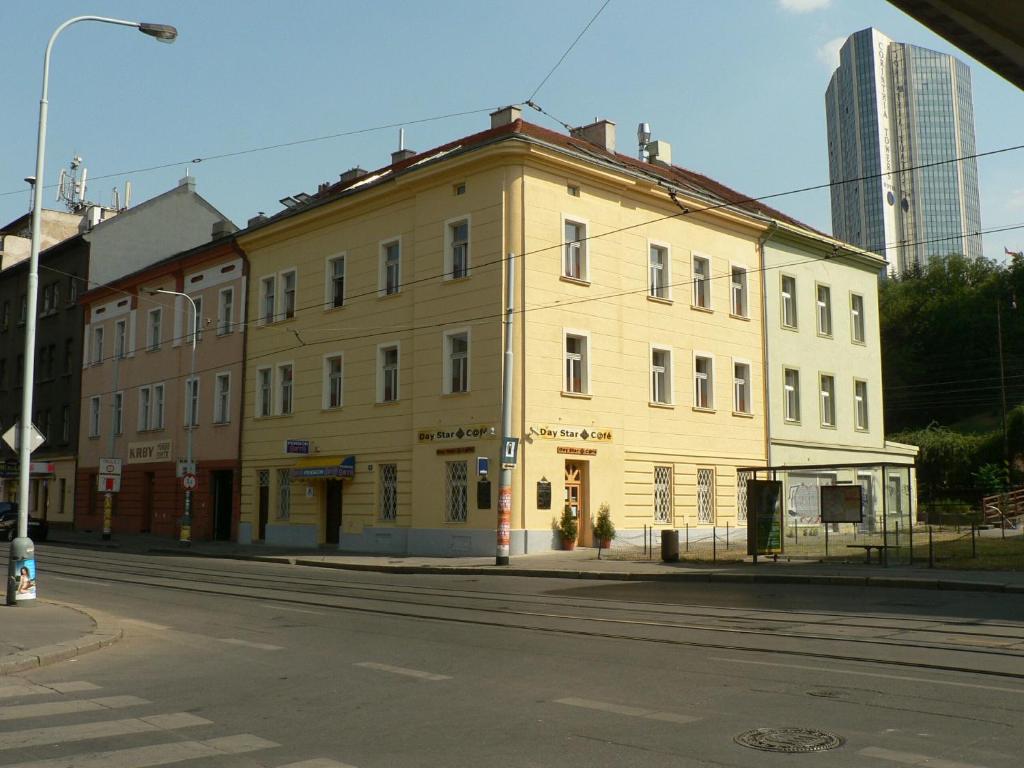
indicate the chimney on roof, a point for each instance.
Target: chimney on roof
{"x":505,"y":116}
{"x":188,"y":181}
{"x":352,"y":174}
{"x":659,"y":153}
{"x":220,"y":228}
{"x":323,"y":187}
{"x":401,"y":153}
{"x":259,"y":218}
{"x":600,"y":132}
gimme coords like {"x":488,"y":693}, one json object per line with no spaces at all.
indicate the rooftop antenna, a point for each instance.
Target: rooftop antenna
{"x":401,"y":139}
{"x":643,"y":137}
{"x":71,"y":186}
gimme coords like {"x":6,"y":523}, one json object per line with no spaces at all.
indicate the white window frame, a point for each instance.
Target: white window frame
{"x":157,"y":420}
{"x":95,"y":413}
{"x":823,"y":303}
{"x":225,"y":311}
{"x":287,"y":313}
{"x":281,"y":386}
{"x":328,"y":382}
{"x":154,"y":330}
{"x":662,"y":391}
{"x":383,"y":285}
{"x":382,"y":349}
{"x":191,"y":409}
{"x":739,"y":296}
{"x":708,"y":377}
{"x":145,"y":408}
{"x":787,"y":302}
{"x":584,"y":360}
{"x":580,"y":245}
{"x":97,"y":345}
{"x":659,"y":277}
{"x":329,"y":298}
{"x":222,"y":399}
{"x":264,"y":395}
{"x":193,"y":318}
{"x":116,"y":413}
{"x":827,"y":399}
{"x":743,"y":384}
{"x":858,"y":329}
{"x":448,"y":362}
{"x":449,"y":247}
{"x":268,"y":311}
{"x":861,"y":417}
{"x":121,"y":338}
{"x":700,"y":296}
{"x":791,"y":395}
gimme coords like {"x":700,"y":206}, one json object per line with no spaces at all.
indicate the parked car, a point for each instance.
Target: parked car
{"x":37,"y":529}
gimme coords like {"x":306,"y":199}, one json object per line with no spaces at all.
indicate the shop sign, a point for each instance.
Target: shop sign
{"x":472,"y":432}
{"x":576,"y":451}
{"x":149,"y":452}
{"x":456,"y":451}
{"x":300,"y":447}
{"x":588,"y":434}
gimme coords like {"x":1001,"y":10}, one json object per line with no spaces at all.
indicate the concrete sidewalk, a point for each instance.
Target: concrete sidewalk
{"x":42,"y":632}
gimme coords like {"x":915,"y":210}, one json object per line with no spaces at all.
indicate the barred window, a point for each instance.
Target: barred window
{"x":284,"y":494}
{"x":456,"y":500}
{"x":388,"y":491}
{"x":741,"y":495}
{"x":263,"y":477}
{"x":705,"y":496}
{"x":663,"y":494}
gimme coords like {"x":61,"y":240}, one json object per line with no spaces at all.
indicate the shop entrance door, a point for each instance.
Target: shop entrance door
{"x":223,"y":482}
{"x":264,"y":504}
{"x":332,"y":510}
{"x":148,"y":484}
{"x":576,"y":500}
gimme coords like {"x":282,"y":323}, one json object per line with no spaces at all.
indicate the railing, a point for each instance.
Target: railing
{"x":1004,"y":509}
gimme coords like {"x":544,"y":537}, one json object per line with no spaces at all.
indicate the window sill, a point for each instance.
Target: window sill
{"x":824,"y":335}
{"x":331,"y":408}
{"x":860,"y":343}
{"x":828,"y":426}
{"x":387,"y":403}
{"x":791,"y":422}
{"x":660,"y":300}
{"x":743,"y":414}
{"x":453,"y":279}
{"x":222,"y":424}
{"x":703,"y":409}
{"x":793,"y":328}
{"x":456,"y":394}
{"x":698,"y":308}
{"x":577,"y":395}
{"x":655,"y":404}
{"x":744,"y":318}
{"x":574,"y":280}
{"x":381,"y":295}
{"x":329,"y":307}
{"x":862,"y":430}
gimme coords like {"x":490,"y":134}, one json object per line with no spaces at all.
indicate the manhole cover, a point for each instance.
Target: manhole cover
{"x":789,"y":740}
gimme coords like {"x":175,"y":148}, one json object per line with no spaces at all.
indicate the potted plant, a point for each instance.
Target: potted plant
{"x":568,"y":528}
{"x":604,"y":528}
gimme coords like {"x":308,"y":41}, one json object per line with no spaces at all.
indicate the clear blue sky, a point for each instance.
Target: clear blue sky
{"x":736,"y":86}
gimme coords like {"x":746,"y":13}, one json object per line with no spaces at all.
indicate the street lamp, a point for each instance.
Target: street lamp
{"x":22,"y":551}
{"x":186,"y":520}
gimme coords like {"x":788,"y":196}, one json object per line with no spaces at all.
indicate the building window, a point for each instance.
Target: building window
{"x":288,"y":280}
{"x":738,"y":295}
{"x":456,"y":362}
{"x":284,"y":494}
{"x":336,"y":282}
{"x":332,"y":381}
{"x":195,"y":320}
{"x":153,"y":329}
{"x":264,"y":391}
{"x":268,"y":293}
{"x":741,"y":494}
{"x":158,"y":406}
{"x":860,"y":404}
{"x":828,"y":401}
{"x":192,"y":402}
{"x":387,"y":363}
{"x":65,"y":431}
{"x":145,"y":407}
{"x":455,"y":492}
{"x":824,"y":310}
{"x":659,"y":272}
{"x":118,"y":413}
{"x":575,"y":261}
{"x":741,"y":387}
{"x":661,"y":375}
{"x":97,"y":345}
{"x":47,"y":299}
{"x":285,"y":389}
{"x":225,"y":311}
{"x":388,"y":491}
{"x":663,"y":494}
{"x":222,"y":399}
{"x":789,"y":301}
{"x":706,"y":496}
{"x":457,"y":261}
{"x":391,"y":267}
{"x":791,"y":395}
{"x":701,"y":282}
{"x":857,"y":317}
{"x":72,"y":289}
{"x":576,"y":364}
{"x":703,"y":382}
{"x":120,"y":339}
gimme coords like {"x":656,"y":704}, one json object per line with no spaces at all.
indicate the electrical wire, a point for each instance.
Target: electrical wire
{"x":569,"y":50}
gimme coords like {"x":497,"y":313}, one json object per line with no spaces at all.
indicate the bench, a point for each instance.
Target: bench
{"x":867,"y":551}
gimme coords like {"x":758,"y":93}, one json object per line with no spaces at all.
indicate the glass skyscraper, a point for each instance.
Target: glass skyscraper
{"x":895,"y":112}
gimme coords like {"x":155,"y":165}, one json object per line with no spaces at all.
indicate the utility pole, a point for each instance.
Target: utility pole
{"x":505,"y":485}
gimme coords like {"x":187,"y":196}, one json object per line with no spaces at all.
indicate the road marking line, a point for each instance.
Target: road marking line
{"x":248,"y":644}
{"x":22,"y":711}
{"x":868,"y":674}
{"x":31,"y":689}
{"x":318,"y":762}
{"x":622,"y":709}
{"x":401,"y":671}
{"x":909,"y":758}
{"x":158,"y":754}
{"x":60,"y":734}
{"x":292,"y":610}
{"x":77,"y":580}
{"x":74,"y":686}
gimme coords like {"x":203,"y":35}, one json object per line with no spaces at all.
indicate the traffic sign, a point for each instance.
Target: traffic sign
{"x":189,"y":482}
{"x":108,"y":483}
{"x":509,"y":451}
{"x":184,"y":467}
{"x":110,"y":466}
{"x":12,"y":435}
{"x":482,"y":465}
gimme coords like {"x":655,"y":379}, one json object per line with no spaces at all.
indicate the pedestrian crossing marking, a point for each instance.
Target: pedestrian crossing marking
{"x":157,"y":754}
{"x":21,"y":711}
{"x":319,"y":762}
{"x":62,"y":734}
{"x":31,"y":689}
{"x":401,"y":671}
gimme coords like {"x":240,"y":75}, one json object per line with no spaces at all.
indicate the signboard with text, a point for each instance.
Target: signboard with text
{"x":841,"y":504}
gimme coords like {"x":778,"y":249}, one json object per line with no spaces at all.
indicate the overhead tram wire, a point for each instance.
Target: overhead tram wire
{"x":568,"y":51}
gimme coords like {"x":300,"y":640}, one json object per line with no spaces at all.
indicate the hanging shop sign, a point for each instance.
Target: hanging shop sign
{"x":565,"y":433}
{"x":327,"y":467}
{"x":149,"y":452}
{"x":296,"y":447}
{"x":471,"y":432}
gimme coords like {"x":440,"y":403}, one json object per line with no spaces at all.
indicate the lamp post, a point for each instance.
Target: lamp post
{"x":186,"y":519}
{"x":22,"y":551}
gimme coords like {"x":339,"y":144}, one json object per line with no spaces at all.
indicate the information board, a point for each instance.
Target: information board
{"x":841,"y":504}
{"x":764,"y":517}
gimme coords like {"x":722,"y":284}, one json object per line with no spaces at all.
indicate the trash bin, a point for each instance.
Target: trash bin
{"x":670,"y":546}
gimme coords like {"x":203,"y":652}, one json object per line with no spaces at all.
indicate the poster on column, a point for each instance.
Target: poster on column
{"x":25,"y":574}
{"x":764,"y":517}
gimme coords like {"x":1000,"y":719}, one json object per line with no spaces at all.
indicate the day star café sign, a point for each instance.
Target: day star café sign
{"x":473,"y":432}
{"x":565,"y":433}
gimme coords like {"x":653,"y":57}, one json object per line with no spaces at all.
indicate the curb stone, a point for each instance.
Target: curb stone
{"x":106,"y":632}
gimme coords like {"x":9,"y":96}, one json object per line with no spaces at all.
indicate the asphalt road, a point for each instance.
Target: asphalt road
{"x":228,"y":663}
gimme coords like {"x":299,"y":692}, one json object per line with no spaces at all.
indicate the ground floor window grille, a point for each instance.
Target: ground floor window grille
{"x":705,"y":495}
{"x":741,"y":495}
{"x":284,"y":494}
{"x":456,"y":500}
{"x":663,"y":494}
{"x":388,"y":491}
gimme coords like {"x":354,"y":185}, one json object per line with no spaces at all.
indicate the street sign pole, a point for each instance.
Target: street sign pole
{"x":505,"y":485}
{"x":108,"y":510}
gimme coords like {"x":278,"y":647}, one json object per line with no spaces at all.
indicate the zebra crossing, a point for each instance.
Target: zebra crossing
{"x":23,"y":744}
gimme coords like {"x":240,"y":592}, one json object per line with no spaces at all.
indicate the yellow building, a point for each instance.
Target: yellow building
{"x":374,"y":361}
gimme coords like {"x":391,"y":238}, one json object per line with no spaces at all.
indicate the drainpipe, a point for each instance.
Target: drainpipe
{"x":766,"y":372}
